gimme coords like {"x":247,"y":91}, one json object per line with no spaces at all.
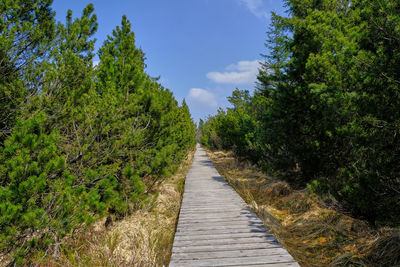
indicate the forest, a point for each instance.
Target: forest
{"x":325,"y":111}
{"x":83,"y":142}
{"x":78,"y":141}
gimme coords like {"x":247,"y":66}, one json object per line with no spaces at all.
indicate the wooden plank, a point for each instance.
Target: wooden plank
{"x":227,"y":241}
{"x":217,"y":228}
{"x":217,"y":220}
{"x":195,"y":221}
{"x":223,"y":223}
{"x":219,"y":236}
{"x":222,"y":231}
{"x":270,"y":259}
{"x":208,"y":211}
{"x":220,"y":214}
{"x":218,"y":225}
{"x":211,"y":248}
{"x":229,"y":254}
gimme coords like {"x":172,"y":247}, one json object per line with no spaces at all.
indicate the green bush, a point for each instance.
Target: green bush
{"x":37,"y":196}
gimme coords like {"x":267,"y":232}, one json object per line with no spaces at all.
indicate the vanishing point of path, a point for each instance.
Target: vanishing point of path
{"x":217,"y":228}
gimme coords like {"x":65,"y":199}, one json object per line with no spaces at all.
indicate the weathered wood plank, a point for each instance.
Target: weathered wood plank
{"x":229,"y":254}
{"x":221,"y":214}
{"x":233,"y":218}
{"x":217,"y":222}
{"x":227,"y":241}
{"x":220,"y":236}
{"x":211,"y":248}
{"x":269,"y":259}
{"x":223,"y":231}
{"x":217,"y":228}
{"x":212,"y":224}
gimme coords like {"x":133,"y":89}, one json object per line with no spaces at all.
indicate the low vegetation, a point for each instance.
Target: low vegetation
{"x":143,"y":238}
{"x":315,"y":231}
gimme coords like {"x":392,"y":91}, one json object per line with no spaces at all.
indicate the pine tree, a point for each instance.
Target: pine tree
{"x":121,"y":64}
{"x":325,"y":111}
{"x":26,"y":32}
{"x":89,"y":142}
{"x":327,"y":101}
{"x":39,"y":203}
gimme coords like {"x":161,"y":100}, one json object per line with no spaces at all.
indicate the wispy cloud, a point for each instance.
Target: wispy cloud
{"x":256,"y":7}
{"x":243,"y":72}
{"x":201,"y":97}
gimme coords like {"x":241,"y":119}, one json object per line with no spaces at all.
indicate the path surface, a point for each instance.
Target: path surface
{"x":216,"y":228}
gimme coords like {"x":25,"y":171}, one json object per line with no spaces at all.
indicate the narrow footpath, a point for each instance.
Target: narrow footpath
{"x":217,"y":228}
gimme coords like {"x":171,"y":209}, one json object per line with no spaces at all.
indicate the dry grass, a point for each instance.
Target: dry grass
{"x":144,"y":238}
{"x":313,"y":233}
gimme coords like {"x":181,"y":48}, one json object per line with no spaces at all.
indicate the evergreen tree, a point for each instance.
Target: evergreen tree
{"x":328,"y":99}
{"x":40,"y":201}
{"x":26,"y":32}
{"x":326,"y":106}
{"x":121,"y":64}
{"x":90,"y":142}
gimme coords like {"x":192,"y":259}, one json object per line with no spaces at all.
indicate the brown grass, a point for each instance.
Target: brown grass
{"x":143,"y":239}
{"x":313,"y":233}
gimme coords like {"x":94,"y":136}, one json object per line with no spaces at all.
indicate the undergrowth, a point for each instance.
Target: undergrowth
{"x":144,"y":238}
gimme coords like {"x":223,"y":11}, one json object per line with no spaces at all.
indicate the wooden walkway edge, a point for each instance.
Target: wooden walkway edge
{"x":217,"y":228}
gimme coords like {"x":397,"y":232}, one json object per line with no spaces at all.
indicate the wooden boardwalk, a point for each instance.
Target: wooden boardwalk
{"x":217,"y":228}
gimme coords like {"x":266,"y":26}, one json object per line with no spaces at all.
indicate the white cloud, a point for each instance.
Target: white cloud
{"x":243,"y":72}
{"x":201,"y":97}
{"x":255,"y":7}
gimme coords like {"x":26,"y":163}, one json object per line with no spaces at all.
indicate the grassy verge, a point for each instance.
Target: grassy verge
{"x":143,"y":239}
{"x":315,"y":231}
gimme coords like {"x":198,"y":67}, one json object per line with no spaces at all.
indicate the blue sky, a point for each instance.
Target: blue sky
{"x":202,"y":49}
